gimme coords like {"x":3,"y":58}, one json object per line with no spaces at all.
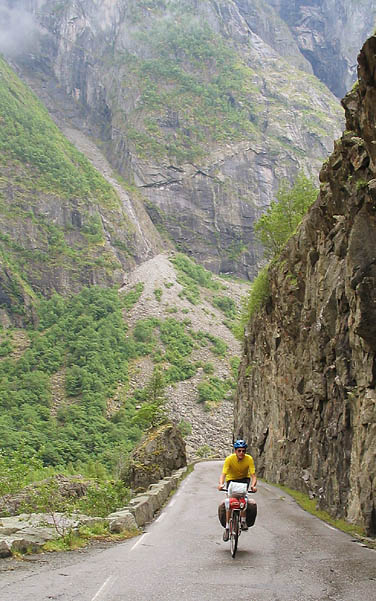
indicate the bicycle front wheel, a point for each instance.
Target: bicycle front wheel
{"x":234,"y":533}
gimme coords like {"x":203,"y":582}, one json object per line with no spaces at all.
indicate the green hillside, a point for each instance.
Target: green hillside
{"x":52,"y":206}
{"x":31,"y":141}
{"x":64,"y":385}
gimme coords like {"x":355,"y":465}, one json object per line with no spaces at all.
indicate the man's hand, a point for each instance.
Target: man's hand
{"x":253,"y":488}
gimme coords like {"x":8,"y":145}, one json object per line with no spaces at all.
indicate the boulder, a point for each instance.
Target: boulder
{"x":161,"y":452}
{"x":5,"y":550}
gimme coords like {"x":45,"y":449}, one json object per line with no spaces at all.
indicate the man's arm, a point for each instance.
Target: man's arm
{"x":222,"y":479}
{"x":254,"y":483}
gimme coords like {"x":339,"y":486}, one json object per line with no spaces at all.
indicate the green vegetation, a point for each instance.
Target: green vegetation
{"x":285,"y":213}
{"x":226,"y":305}
{"x":205,"y":451}
{"x":192,"y":276}
{"x":83,"y":341}
{"x":213,"y":390}
{"x":273,"y":230}
{"x":77,"y":539}
{"x":103,"y":494}
{"x":29,"y":136}
{"x":185,"y":428}
{"x":152,"y":412}
{"x":129,"y":299}
{"x":193,"y":81}
{"x":79,"y":354}
{"x":158,"y":294}
{"x":258,"y":294}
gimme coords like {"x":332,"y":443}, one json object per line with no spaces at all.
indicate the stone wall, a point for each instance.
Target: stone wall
{"x":306,"y":398}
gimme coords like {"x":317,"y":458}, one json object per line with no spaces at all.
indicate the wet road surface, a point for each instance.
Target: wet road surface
{"x":288,"y":555}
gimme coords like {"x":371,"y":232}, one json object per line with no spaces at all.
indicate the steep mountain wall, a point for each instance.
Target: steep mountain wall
{"x":306,"y":398}
{"x":62,"y":225}
{"x":204,"y":105}
{"x":329,"y":34}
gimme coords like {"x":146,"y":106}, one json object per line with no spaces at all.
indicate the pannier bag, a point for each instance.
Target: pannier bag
{"x":250,"y":515}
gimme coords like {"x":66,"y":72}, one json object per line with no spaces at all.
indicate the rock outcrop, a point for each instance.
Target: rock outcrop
{"x":160,"y":453}
{"x":306,"y":398}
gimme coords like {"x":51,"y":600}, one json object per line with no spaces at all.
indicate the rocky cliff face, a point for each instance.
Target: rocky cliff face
{"x":329,"y":34}
{"x":204,"y":105}
{"x":306,"y":398}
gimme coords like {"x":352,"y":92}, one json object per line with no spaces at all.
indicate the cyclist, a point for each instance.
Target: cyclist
{"x":238,"y":467}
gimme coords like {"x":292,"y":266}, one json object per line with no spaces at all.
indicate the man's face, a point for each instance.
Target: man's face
{"x":240,"y":453}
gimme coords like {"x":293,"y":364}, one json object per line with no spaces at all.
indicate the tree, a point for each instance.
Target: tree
{"x":152,"y":412}
{"x":275,"y":227}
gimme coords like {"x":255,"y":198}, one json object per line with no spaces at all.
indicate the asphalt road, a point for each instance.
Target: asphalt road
{"x":288,"y":555}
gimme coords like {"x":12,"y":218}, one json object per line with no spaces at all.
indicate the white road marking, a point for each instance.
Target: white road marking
{"x":160,"y":517}
{"x":98,"y":593}
{"x":331,"y":527}
{"x":171,"y":503}
{"x":138,"y":542}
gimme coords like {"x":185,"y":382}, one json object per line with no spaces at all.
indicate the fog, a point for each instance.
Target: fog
{"x":17,"y":28}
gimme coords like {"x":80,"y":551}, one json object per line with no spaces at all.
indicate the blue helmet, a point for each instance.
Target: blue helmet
{"x":240,"y":444}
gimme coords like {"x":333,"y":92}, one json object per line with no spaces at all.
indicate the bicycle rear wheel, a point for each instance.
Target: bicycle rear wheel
{"x":234,"y":533}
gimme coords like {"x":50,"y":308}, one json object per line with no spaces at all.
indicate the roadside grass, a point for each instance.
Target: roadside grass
{"x":77,"y":539}
{"x":310,"y":505}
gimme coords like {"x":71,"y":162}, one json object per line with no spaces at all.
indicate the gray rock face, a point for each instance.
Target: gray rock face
{"x":306,"y":398}
{"x":329,"y":34}
{"x":206,"y":203}
{"x":27,"y":533}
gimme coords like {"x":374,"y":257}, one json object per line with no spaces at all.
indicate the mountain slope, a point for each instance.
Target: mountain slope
{"x":203,"y":115}
{"x":215,"y":353}
{"x":62,"y":224}
{"x":329,"y":34}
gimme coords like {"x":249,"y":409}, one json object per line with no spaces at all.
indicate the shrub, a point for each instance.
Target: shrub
{"x":280,"y":220}
{"x":258,"y":294}
{"x":212,"y":390}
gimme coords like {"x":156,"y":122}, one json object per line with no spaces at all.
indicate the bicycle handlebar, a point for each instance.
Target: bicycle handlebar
{"x":250,"y":491}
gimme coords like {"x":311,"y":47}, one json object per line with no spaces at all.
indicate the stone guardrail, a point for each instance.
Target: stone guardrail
{"x":29,"y":532}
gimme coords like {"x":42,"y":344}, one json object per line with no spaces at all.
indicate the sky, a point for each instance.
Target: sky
{"x":17,"y":28}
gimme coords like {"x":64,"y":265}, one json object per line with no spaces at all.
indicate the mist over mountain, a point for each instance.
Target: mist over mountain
{"x":18,"y":28}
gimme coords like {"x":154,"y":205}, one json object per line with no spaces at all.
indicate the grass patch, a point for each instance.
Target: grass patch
{"x":77,"y":539}
{"x":192,"y":277}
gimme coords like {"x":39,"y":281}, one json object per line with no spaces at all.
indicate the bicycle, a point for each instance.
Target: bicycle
{"x":237,"y":502}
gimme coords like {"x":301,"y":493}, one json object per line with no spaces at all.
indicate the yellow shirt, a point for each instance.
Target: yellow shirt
{"x":236,"y":470}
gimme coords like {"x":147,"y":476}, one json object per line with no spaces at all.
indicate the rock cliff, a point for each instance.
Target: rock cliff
{"x":329,"y":34}
{"x":306,"y":398}
{"x":205,"y":106}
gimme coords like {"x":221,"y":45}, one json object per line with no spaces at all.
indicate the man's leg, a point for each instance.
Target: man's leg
{"x":226,"y":534}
